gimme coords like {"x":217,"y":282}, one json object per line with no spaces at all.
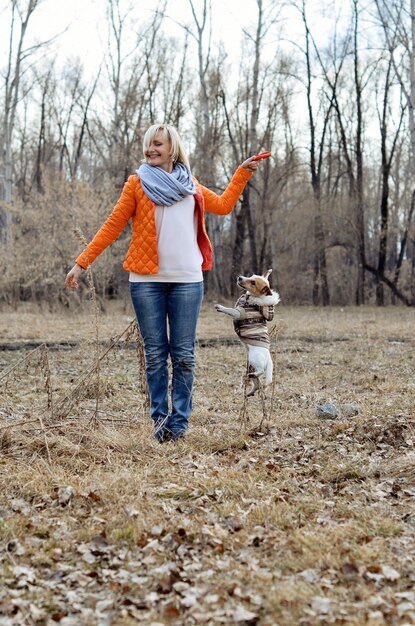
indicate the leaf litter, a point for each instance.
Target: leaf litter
{"x":298,"y":522}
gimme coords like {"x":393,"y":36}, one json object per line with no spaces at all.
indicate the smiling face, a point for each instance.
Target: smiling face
{"x":159,"y":152}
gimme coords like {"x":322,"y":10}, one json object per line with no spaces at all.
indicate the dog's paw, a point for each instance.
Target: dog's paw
{"x":219,"y":308}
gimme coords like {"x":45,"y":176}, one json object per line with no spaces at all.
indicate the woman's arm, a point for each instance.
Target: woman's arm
{"x":225,"y":203}
{"x":112,"y":227}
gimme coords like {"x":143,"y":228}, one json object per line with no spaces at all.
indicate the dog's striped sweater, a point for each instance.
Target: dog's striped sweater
{"x":255,"y":312}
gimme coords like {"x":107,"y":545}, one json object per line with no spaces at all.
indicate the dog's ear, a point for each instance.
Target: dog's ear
{"x":266,"y":291}
{"x":267,"y":273}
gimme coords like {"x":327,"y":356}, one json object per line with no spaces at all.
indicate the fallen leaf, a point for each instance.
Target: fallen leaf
{"x":321,"y":605}
{"x":65,"y":495}
{"x":390,"y":573}
{"x":242,"y":615}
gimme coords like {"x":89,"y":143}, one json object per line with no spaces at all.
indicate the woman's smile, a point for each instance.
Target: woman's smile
{"x":159,"y":153}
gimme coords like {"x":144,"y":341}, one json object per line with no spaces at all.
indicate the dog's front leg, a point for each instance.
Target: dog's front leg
{"x":228,"y":311}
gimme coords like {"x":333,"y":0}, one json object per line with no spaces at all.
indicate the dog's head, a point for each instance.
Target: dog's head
{"x":256,"y":285}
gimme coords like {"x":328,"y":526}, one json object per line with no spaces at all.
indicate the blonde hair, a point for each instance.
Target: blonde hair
{"x":168,"y":132}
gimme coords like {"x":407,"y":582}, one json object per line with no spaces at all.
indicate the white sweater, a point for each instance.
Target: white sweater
{"x":180,"y":260}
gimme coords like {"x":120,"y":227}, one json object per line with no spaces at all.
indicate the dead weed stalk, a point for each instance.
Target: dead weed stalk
{"x":60,"y":434}
{"x":92,"y":291}
{"x":25,"y":359}
{"x":134,"y":333}
{"x":90,"y":381}
{"x":45,"y":369}
{"x":68,"y":403}
{"x":244,"y":413}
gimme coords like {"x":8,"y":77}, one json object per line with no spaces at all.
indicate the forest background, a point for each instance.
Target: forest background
{"x":328,"y":87}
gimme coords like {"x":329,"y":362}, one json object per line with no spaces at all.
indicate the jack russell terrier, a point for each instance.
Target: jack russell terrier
{"x":253,"y":309}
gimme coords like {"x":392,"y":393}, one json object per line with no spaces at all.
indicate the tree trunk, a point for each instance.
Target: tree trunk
{"x":11,"y":98}
{"x":320,"y":281}
{"x":358,"y":193}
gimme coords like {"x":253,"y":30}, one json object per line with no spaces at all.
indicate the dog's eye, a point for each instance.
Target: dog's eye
{"x":252,"y":282}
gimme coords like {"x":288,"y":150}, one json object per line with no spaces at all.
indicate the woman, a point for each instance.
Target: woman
{"x":169,"y":248}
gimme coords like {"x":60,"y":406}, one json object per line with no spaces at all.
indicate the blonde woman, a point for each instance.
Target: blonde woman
{"x":168,"y":250}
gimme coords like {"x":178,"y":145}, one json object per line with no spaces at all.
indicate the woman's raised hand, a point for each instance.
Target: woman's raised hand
{"x":252,"y":163}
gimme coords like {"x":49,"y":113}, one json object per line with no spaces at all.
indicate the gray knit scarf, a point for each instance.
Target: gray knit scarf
{"x":165,"y":189}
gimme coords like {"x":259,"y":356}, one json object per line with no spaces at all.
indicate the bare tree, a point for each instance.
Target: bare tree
{"x":17,"y":56}
{"x":144,"y":88}
{"x":208,"y":125}
{"x":357,"y":182}
{"x":41,"y":145}
{"x":351,"y":145}
{"x":246,"y":130}
{"x":202,"y":34}
{"x":398,"y":26}
{"x":320,"y":281}
{"x":387,"y":156}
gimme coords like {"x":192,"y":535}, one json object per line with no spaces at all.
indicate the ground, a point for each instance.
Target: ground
{"x":287,"y":518}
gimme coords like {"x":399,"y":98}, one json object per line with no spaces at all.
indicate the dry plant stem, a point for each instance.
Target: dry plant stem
{"x":142,"y":384}
{"x":160,"y":426}
{"x":274,"y":333}
{"x":46,"y":439}
{"x":74,"y":395}
{"x":97,"y":361}
{"x":18,"y":424}
{"x":45,"y":367}
{"x":134,"y":331}
{"x":97,"y":369}
{"x":92,"y":290}
{"x":25,"y":358}
{"x":243,"y":414}
{"x":264,"y":408}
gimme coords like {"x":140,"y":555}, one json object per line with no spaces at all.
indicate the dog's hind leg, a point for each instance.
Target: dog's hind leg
{"x":253,"y":378}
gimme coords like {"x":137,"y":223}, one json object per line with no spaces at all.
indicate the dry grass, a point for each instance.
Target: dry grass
{"x":307,"y":521}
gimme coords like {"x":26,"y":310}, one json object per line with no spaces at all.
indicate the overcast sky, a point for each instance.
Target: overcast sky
{"x":82,"y":23}
{"x":86,"y":24}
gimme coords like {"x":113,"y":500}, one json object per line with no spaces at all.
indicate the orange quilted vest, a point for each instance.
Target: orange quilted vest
{"x":134,"y":204}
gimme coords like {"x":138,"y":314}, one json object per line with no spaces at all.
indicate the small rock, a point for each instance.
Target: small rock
{"x":350,"y":409}
{"x":332,"y":411}
{"x":18,"y":505}
{"x":327,"y":411}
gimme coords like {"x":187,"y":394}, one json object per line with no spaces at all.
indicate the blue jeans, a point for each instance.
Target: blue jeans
{"x":167,"y":315}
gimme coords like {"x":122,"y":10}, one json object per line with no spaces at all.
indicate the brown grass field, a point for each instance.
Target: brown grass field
{"x":283,"y":521}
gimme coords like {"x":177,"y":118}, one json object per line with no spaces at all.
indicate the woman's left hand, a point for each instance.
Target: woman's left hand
{"x":250,"y":164}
